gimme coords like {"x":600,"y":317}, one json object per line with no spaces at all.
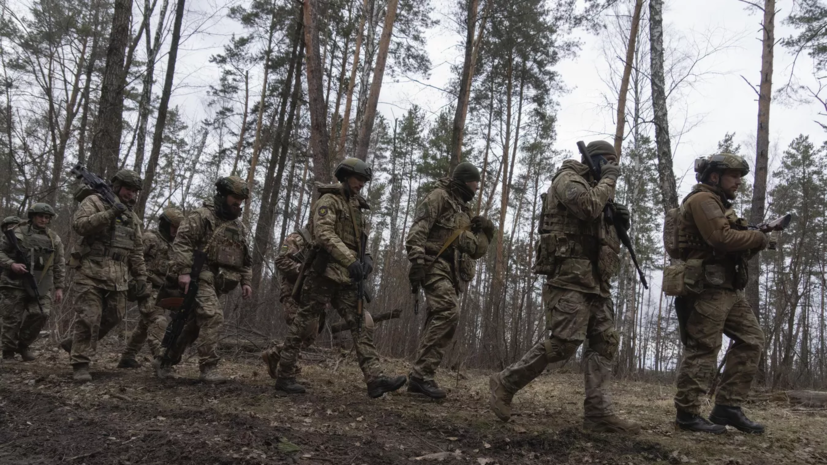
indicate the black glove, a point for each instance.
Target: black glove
{"x":355,"y":271}
{"x":367,"y":266}
{"x":483,"y":224}
{"x":416,"y":275}
{"x":119,"y":208}
{"x":610,"y":170}
{"x":622,"y":216}
{"x":137,"y":290}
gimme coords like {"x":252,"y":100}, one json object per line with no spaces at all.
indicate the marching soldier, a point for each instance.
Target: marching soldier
{"x":216,"y":230}
{"x":579,"y":255}
{"x":708,"y":239}
{"x":152,"y":322}
{"x":111,"y":249}
{"x":337,"y":226}
{"x":443,"y":244}
{"x":23,"y":315}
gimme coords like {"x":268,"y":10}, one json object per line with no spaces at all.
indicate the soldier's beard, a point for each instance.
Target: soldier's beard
{"x":224,"y":210}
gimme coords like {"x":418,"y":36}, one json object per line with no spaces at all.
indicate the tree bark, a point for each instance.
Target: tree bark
{"x":106,"y":141}
{"x":624,"y":81}
{"x":163,"y":106}
{"x":319,"y":137}
{"x":376,"y":86}
{"x":666,"y":177}
{"x":352,"y":83}
{"x":243,"y":130}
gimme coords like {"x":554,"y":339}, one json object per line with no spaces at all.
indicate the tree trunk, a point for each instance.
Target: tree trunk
{"x":243,"y":130}
{"x":87,"y":87}
{"x":319,"y":137}
{"x":668,"y":188}
{"x":624,"y":82}
{"x":352,"y":83}
{"x":375,"y":87}
{"x":163,"y":105}
{"x":106,"y":141}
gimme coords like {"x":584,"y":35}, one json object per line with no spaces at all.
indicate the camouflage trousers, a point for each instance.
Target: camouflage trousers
{"x":22,"y":319}
{"x":571,"y":318}
{"x":97,"y":312}
{"x":205,"y":324}
{"x":273,"y":353}
{"x":440,"y":326}
{"x":317,"y":293}
{"x":716,"y":312}
{"x":152,"y":323}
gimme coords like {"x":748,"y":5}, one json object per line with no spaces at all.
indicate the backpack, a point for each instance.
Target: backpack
{"x":671,"y":232}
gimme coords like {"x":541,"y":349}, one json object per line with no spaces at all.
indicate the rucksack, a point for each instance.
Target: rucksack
{"x":671,"y":232}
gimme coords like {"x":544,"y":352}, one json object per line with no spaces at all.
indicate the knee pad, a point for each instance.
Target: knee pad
{"x":560,"y":349}
{"x":605,"y":343}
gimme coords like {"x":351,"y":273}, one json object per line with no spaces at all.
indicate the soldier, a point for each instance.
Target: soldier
{"x":708,"y":240}
{"x":23,"y":318}
{"x":442,"y":245}
{"x":152,"y":322}
{"x":289,"y":263}
{"x":8,"y":222}
{"x":216,"y":230}
{"x":579,"y":250}
{"x":337,"y":226}
{"x":111,"y":249}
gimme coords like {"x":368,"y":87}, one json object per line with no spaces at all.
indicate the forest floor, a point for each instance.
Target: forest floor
{"x":129,"y":417}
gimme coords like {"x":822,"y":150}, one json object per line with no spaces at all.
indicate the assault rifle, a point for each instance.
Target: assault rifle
{"x":20,"y":256}
{"x":180,"y":316}
{"x":608,"y":212}
{"x":94,"y":182}
{"x":778,"y":224}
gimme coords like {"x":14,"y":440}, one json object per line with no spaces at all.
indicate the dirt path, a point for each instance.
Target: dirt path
{"x":129,"y":417}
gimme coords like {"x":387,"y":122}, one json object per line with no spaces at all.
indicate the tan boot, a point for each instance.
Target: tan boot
{"x":81,"y":373}
{"x":209,"y":374}
{"x":610,"y":424}
{"x":500,"y":400}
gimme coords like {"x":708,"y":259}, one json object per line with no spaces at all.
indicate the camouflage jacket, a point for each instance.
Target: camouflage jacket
{"x":333,"y":230}
{"x":707,"y":232}
{"x":157,"y":250}
{"x":584,"y":245}
{"x":438,"y":217}
{"x":224,"y":242}
{"x":45,"y":253}
{"x":111,"y":246}
{"x":289,"y":262}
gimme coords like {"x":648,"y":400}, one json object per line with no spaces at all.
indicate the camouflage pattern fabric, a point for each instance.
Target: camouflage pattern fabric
{"x":713,"y":313}
{"x":289,"y":265}
{"x":97,"y":311}
{"x":333,"y":229}
{"x":22,"y":320}
{"x":204,"y":324}
{"x":36,"y":241}
{"x":152,"y":322}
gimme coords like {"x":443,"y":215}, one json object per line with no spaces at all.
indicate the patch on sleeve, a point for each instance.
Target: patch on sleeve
{"x":572,"y":191}
{"x":712,"y":210}
{"x":284,"y":248}
{"x":323,"y":211}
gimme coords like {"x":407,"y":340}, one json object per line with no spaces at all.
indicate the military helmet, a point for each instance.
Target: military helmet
{"x":350,"y":166}
{"x":173,"y":216}
{"x":600,"y":147}
{"x":127,"y":178}
{"x":466,"y":172}
{"x":719,"y":162}
{"x":41,"y":209}
{"x":10,"y":220}
{"x":232,"y":185}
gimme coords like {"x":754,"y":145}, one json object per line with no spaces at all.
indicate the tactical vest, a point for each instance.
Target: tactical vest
{"x":116,"y":242}
{"x":689,"y":236}
{"x":452,"y":218}
{"x":39,"y":246}
{"x":226,"y":246}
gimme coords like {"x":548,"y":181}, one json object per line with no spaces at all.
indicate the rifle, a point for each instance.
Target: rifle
{"x":608,"y":213}
{"x":94,"y":182}
{"x":180,"y":316}
{"x":20,"y":256}
{"x":778,"y":224}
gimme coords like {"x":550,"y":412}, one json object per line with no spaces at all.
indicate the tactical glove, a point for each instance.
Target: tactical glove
{"x":416,"y":275}
{"x":355,"y":271}
{"x":622,"y":216}
{"x":367,"y":267}
{"x":482,"y":224}
{"x":610,"y":170}
{"x":119,"y":208}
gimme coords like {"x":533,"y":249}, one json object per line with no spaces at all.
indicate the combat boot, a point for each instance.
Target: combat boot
{"x":383,"y":384}
{"x":696,"y":423}
{"x":26,"y":353}
{"x":66,"y":345}
{"x":271,"y":361}
{"x":81,"y":373}
{"x":500,"y":400}
{"x":8,"y":355}
{"x":163,"y":372}
{"x":610,"y":424}
{"x":733,"y":416}
{"x":289,"y":386}
{"x":209,"y":374}
{"x":430,"y":388}
{"x":128,"y":362}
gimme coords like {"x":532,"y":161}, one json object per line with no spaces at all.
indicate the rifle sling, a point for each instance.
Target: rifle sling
{"x":453,"y":237}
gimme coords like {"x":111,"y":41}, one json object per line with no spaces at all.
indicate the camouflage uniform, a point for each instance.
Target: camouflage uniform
{"x":707,"y":232}
{"x":228,"y":264}
{"x":22,"y":318}
{"x":438,"y":218}
{"x":580,"y":251}
{"x":111,"y":249}
{"x":333,"y":232}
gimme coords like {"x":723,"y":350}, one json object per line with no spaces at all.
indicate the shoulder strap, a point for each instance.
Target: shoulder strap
{"x":305,"y":234}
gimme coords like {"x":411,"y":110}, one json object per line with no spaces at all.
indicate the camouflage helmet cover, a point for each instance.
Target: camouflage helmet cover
{"x":9,"y":220}
{"x":351,"y":166}
{"x":41,"y":209}
{"x":466,"y":172}
{"x":719,"y":162}
{"x":232,"y":185}
{"x":173,"y":215}
{"x":127,"y":178}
